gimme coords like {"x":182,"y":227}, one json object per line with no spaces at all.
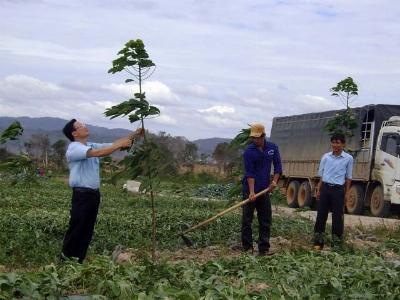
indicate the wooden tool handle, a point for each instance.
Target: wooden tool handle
{"x":239,"y":204}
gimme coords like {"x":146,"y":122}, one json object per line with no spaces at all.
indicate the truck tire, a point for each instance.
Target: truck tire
{"x":355,"y":200}
{"x":304,"y":197}
{"x":379,"y":207}
{"x":291,"y":193}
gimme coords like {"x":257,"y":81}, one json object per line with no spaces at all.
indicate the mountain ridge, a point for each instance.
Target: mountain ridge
{"x":53,"y":128}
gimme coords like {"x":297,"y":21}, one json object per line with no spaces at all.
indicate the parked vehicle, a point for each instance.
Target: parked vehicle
{"x":375,"y":147}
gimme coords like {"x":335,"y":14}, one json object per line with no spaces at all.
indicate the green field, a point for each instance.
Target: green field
{"x":33,"y":221}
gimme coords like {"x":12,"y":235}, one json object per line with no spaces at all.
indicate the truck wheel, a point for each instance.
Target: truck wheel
{"x":304,"y":197}
{"x":291,"y":193}
{"x":378,"y":206}
{"x":355,"y":200}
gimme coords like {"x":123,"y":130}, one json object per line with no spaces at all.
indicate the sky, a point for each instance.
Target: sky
{"x":220,"y":65}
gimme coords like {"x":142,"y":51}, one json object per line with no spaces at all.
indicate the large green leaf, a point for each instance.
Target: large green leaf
{"x":11,"y":132}
{"x":140,"y":96}
{"x":134,"y":118}
{"x":123,"y":109}
{"x":242,"y":139}
{"x":153,"y":111}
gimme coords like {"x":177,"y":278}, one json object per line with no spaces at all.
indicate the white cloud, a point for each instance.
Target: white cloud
{"x":219,"y":109}
{"x":260,"y":99}
{"x":222,"y":122}
{"x":156,"y":92}
{"x":105,"y":104}
{"x":220,"y":116}
{"x":26,"y":86}
{"x":122,"y":89}
{"x":252,"y":101}
{"x":165,"y":119}
{"x":196,"y":90}
{"x":24,"y":95}
{"x":49,"y":50}
{"x":38,"y":98}
{"x":310,"y":103}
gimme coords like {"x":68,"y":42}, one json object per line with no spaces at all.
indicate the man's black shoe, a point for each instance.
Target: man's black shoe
{"x":65,"y":259}
{"x":337,"y":243}
{"x":247,"y":250}
{"x":262,"y":253}
{"x":242,"y":249}
{"x":319,"y":240}
{"x":62,"y":257}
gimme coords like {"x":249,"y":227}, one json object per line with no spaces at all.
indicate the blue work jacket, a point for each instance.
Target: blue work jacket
{"x":257,"y":165}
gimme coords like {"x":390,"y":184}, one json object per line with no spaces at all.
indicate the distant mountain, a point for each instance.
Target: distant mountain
{"x":207,"y":146}
{"x":53,"y":128}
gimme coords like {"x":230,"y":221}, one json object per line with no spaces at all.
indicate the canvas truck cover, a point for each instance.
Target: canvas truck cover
{"x":303,"y":139}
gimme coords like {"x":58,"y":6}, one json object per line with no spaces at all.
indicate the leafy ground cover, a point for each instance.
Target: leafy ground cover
{"x":214,"y":191}
{"x":33,"y":221}
{"x":285,"y":275}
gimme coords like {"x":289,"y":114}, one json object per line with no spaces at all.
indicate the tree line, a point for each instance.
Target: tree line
{"x":175,"y":151}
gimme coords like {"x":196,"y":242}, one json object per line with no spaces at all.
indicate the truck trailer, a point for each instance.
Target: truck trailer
{"x":375,"y":146}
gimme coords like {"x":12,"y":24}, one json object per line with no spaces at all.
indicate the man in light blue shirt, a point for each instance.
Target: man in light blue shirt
{"x":84,"y":178}
{"x":83,"y":170}
{"x":335,"y":171}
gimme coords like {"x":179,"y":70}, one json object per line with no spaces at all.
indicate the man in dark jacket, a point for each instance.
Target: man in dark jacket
{"x":258,"y":158}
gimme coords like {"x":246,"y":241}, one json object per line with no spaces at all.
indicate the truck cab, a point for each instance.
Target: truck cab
{"x":386,"y":168}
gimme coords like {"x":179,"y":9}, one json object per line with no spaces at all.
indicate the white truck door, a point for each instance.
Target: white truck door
{"x":387,"y":161}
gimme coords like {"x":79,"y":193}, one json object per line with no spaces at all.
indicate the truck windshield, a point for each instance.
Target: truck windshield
{"x":390,"y":143}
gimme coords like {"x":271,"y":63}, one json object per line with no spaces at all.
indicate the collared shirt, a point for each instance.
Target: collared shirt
{"x":83,"y":170}
{"x":335,"y":169}
{"x":257,"y":164}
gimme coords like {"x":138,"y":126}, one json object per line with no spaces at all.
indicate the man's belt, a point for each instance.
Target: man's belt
{"x":84,"y":190}
{"x":333,"y":186}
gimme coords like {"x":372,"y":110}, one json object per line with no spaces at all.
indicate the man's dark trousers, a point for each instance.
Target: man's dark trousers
{"x":84,"y":208}
{"x":331,"y":198}
{"x":264,"y":215}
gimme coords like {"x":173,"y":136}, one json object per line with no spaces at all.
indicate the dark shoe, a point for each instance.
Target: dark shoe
{"x":337,"y":240}
{"x":262,"y":253}
{"x":337,"y":243}
{"x":68,"y":259}
{"x":242,"y":249}
{"x":248,"y":250}
{"x":318,"y":241}
{"x":63,"y":257}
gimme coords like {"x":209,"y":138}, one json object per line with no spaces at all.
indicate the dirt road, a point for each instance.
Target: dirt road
{"x":352,"y":221}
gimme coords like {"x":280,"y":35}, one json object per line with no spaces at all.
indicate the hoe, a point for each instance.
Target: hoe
{"x":189,"y":243}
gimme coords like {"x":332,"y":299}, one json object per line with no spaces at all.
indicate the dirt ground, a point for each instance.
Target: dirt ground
{"x":358,"y":239}
{"x":205,"y":254}
{"x":350,"y":221}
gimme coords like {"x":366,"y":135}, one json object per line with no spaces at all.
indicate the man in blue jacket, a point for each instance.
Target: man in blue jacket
{"x":258,"y":158}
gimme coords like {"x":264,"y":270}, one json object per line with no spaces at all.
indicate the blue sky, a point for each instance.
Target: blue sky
{"x":220,"y":65}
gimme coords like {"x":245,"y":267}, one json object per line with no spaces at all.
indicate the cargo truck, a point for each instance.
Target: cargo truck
{"x":375,"y":146}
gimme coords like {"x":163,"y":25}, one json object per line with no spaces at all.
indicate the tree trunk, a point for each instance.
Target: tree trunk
{"x":153,"y":208}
